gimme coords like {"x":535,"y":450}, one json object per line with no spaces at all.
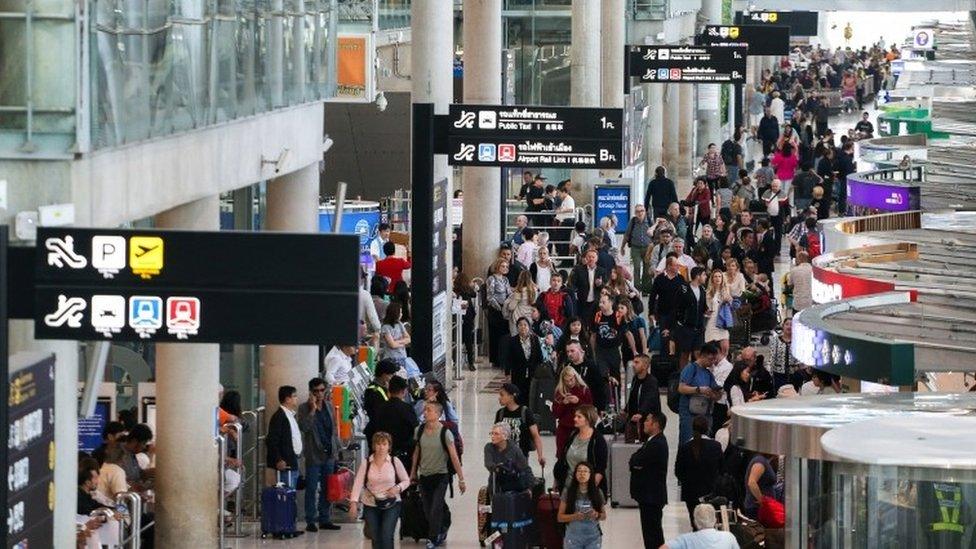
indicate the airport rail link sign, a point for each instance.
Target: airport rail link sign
{"x":196,"y":287}
{"x":761,"y":39}
{"x":541,"y":137}
{"x":688,"y":64}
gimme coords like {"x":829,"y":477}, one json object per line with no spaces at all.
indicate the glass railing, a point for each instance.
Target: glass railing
{"x":155,"y":68}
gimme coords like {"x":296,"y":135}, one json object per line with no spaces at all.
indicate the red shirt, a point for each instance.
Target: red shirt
{"x":392,"y":268}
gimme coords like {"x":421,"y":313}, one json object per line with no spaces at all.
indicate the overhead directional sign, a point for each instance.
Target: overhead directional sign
{"x":535,"y":122}
{"x":761,"y":39}
{"x":688,"y":64}
{"x":29,"y":503}
{"x":540,"y":137}
{"x":801,"y":23}
{"x":223,"y":287}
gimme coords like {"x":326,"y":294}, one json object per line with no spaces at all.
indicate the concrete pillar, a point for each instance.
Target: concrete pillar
{"x":21,"y":333}
{"x":654,"y":130}
{"x":709,"y":95}
{"x":432,"y":81}
{"x":686,"y":130}
{"x":276,"y":55}
{"x":187,"y":379}
{"x":293,"y":206}
{"x":613,"y":32}
{"x":585,"y":75}
{"x":672,"y":121}
{"x":482,"y":220}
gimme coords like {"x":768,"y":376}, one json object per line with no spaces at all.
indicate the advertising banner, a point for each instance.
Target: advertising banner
{"x":611,"y":200}
{"x":830,"y":286}
{"x":882,"y":197}
{"x":354,"y":67}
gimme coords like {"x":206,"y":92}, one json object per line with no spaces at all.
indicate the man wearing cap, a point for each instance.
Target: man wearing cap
{"x":378,"y":391}
{"x":535,"y":200}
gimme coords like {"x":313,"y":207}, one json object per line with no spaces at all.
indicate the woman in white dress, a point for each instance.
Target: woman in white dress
{"x":718,"y":293}
{"x":734,"y":281}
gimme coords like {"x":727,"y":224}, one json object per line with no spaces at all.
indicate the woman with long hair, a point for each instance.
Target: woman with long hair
{"x":497,"y":292}
{"x":434,"y":392}
{"x":464,"y":291}
{"x":718,"y":294}
{"x":401,"y":294}
{"x":697,"y":465}
{"x":581,"y":507}
{"x":394,"y":338}
{"x":380,"y":480}
{"x":584,"y":444}
{"x":634,"y":324}
{"x":738,"y":387}
{"x":576,"y":332}
{"x":571,"y":392}
{"x":520,"y":303}
{"x":379,"y":289}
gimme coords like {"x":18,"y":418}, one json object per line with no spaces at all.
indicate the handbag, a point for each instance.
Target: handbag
{"x":339,"y":485}
{"x":772,"y":513}
{"x":699,"y":405}
{"x":724,"y":320}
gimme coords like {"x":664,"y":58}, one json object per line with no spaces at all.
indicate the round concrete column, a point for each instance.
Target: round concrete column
{"x":686,"y":133}
{"x":654,"y":131}
{"x":293,"y":206}
{"x":187,"y":382}
{"x":482,"y":221}
{"x":672,"y":123}
{"x":585,"y":84}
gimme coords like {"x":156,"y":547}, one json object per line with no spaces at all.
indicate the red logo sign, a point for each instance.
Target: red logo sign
{"x":182,"y":316}
{"x":675,"y":74}
{"x":506,"y":153}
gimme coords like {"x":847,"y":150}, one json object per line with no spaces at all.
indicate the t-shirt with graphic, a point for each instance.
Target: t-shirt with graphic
{"x":608,"y":330}
{"x":520,"y":420}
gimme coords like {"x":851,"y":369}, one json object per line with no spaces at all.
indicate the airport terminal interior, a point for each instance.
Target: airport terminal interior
{"x":488,"y":273}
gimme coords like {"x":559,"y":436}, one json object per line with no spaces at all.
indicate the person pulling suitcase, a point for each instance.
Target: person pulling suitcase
{"x":521,"y":421}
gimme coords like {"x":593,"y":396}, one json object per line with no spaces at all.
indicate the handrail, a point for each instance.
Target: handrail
{"x":135,"y":519}
{"x":255,"y":450}
{"x":239,"y":492}
{"x":221,"y":441}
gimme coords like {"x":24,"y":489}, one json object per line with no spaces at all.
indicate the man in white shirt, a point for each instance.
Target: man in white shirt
{"x":338,"y":364}
{"x":707,"y":537}
{"x":284,"y":439}
{"x":685,"y":260}
{"x":526,"y":251}
{"x":376,"y":246}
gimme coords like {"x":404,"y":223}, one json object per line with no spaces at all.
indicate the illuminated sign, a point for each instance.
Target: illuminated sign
{"x":761,"y":39}
{"x":687,"y":64}
{"x":800,"y":23}
{"x":881,"y":196}
{"x":829,"y":285}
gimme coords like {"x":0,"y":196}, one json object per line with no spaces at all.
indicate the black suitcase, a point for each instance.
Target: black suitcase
{"x":662,"y":367}
{"x":541,"y":391}
{"x":413,"y":522}
{"x":512,"y":515}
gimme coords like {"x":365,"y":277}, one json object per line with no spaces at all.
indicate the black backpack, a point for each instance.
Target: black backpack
{"x":674,"y":397}
{"x":728,"y":153}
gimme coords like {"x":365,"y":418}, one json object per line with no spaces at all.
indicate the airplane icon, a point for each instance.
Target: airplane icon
{"x":143,"y":250}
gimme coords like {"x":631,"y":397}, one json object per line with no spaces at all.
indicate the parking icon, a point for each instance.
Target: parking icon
{"x":108,"y":254}
{"x":486,"y":152}
{"x":145,"y":314}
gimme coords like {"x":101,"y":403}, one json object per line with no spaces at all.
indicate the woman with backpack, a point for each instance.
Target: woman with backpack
{"x":585,"y":444}
{"x":697,"y":465}
{"x":380,"y":479}
{"x":435,"y":461}
{"x":581,"y":507}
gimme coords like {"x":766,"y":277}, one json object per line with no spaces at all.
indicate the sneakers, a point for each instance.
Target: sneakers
{"x":430,"y":545}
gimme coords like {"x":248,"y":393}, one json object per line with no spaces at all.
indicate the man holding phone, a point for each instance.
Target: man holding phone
{"x":762,"y":380}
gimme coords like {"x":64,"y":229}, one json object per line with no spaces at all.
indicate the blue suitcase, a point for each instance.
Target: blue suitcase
{"x":279,"y":512}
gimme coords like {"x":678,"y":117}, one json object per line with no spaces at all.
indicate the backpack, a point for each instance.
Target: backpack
{"x":445,"y":426}
{"x":811,"y":243}
{"x":674,"y":397}
{"x":525,"y":443}
{"x":728,"y":153}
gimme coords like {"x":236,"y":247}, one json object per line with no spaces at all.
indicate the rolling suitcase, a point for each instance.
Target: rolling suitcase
{"x":484,"y":514}
{"x":541,"y":392}
{"x":620,"y":453}
{"x":512,"y":516}
{"x":279,"y":511}
{"x":549,"y":531}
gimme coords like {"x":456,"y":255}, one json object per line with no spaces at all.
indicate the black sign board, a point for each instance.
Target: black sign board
{"x":801,"y":23}
{"x":761,"y":39}
{"x":540,"y":137}
{"x":30,"y":460}
{"x":535,"y":122}
{"x":197,"y":287}
{"x":539,"y":153}
{"x":688,"y":64}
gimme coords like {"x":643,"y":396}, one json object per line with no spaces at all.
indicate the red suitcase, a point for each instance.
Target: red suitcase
{"x":549,"y":530}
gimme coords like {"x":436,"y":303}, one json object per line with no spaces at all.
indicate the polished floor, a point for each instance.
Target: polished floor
{"x":477,"y":410}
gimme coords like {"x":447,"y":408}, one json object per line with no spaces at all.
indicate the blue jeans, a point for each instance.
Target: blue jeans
{"x":382,"y":523}
{"x":315,"y":475}
{"x":583,"y":534}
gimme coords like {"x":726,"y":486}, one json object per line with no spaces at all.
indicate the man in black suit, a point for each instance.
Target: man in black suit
{"x":644,"y":397}
{"x":587,"y":280}
{"x":649,"y":479}
{"x":688,"y":331}
{"x":767,"y":248}
{"x":284,"y":440}
{"x":399,"y":420}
